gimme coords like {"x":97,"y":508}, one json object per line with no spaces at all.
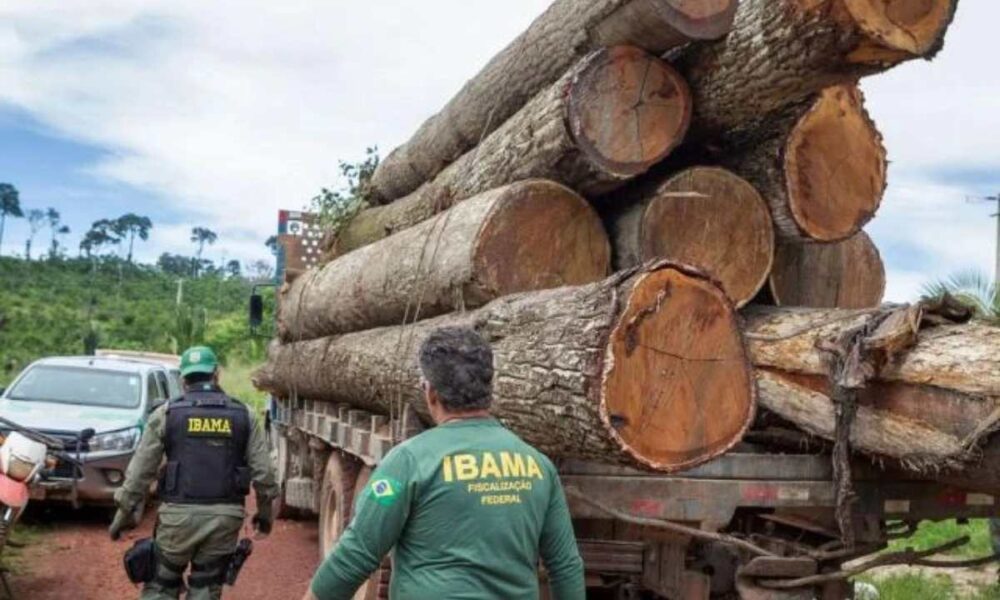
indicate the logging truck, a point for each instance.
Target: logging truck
{"x":758,"y":521}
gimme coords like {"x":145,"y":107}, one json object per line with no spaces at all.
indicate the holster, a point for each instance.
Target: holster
{"x":141,"y":561}
{"x":244,"y":548}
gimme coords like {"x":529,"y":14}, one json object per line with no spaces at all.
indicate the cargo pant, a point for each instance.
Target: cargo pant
{"x":203,"y":540}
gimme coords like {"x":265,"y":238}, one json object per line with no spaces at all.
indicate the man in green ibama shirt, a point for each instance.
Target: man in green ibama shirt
{"x":467,"y":507}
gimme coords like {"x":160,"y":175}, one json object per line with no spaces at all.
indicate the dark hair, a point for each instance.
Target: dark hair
{"x":196,"y":378}
{"x":458,"y":364}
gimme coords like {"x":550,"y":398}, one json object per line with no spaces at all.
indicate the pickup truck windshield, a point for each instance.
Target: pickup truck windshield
{"x":72,"y":385}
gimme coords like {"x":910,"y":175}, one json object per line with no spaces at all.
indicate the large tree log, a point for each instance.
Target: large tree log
{"x":820,"y":165}
{"x":615,"y":114}
{"x":529,"y":235}
{"x":703,"y":216}
{"x":782,"y":51}
{"x":648,"y":369}
{"x":932,"y":401}
{"x":848,"y":274}
{"x":567,"y":31}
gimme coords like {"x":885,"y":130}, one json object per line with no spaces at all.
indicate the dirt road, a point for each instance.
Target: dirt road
{"x":73,"y":559}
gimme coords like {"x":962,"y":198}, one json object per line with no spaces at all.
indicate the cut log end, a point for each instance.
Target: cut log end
{"x":848,"y":274}
{"x":836,"y":167}
{"x":911,"y":26}
{"x":678,"y":389}
{"x":710,"y":218}
{"x":627,"y":110}
{"x":701,"y":19}
{"x":542,"y":235}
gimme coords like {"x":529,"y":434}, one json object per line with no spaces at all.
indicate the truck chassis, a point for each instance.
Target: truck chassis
{"x":651,"y":535}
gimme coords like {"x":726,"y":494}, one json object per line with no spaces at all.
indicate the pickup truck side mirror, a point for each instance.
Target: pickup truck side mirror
{"x":256,"y":310}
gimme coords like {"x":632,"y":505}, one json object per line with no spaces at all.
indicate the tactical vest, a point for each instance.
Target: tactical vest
{"x":206,"y":446}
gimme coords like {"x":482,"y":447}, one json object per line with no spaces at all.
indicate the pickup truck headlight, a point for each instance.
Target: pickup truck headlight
{"x":123,"y":439}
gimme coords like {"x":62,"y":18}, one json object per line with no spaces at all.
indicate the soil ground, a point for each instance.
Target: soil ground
{"x":70,"y":557}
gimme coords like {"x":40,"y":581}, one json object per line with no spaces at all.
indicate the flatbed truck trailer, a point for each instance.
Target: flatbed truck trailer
{"x":753,"y":524}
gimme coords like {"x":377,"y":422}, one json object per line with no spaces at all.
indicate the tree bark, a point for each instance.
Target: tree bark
{"x":781,"y":52}
{"x":529,"y":235}
{"x":848,"y":274}
{"x":930,"y":404}
{"x":562,"y":35}
{"x":645,"y":368}
{"x":703,"y":216}
{"x":615,"y":114}
{"x":820,"y":164}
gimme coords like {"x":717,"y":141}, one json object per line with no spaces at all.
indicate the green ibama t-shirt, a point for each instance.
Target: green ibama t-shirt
{"x":468,"y":509}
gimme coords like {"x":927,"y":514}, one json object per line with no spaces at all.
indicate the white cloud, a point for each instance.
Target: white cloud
{"x":229,"y":110}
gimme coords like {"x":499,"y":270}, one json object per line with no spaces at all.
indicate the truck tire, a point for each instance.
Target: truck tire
{"x":336,"y":499}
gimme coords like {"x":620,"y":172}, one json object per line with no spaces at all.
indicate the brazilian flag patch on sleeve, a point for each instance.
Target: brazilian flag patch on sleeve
{"x":385,"y":491}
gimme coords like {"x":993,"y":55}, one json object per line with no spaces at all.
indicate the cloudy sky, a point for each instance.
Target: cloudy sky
{"x":220,"y":113}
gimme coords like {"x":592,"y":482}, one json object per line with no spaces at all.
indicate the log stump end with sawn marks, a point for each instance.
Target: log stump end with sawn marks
{"x":848,"y":274}
{"x":910,"y":26}
{"x":678,"y":389}
{"x":541,"y":235}
{"x":712,"y":219}
{"x":627,"y":110}
{"x":835,"y":167}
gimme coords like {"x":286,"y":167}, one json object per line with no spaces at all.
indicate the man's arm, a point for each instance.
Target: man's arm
{"x":145,"y":463}
{"x":380,"y":514}
{"x":558,"y":547}
{"x":261,"y":467}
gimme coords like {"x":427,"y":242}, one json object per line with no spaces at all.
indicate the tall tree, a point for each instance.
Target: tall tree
{"x":202,"y":236}
{"x":234,"y":268}
{"x":36,"y":220}
{"x":10,"y":206}
{"x":104,"y":232}
{"x":54,"y":220}
{"x":132,"y":226}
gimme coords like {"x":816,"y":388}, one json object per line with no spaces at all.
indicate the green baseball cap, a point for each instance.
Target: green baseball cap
{"x":198,"y":359}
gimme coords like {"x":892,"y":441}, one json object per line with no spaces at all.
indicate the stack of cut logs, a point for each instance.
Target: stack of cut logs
{"x":603,"y":198}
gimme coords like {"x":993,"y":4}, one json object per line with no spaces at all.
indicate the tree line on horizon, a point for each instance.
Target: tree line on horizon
{"x":106,"y":236}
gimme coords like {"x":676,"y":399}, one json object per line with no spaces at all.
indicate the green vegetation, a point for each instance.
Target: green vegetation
{"x":935,"y":533}
{"x":918,"y":586}
{"x":71,"y":306}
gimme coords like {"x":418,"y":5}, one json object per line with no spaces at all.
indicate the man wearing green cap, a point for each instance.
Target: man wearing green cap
{"x":214,"y":449}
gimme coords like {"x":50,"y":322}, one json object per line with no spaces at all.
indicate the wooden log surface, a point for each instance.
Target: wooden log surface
{"x":647,"y":368}
{"x":848,"y":274}
{"x":529,"y":235}
{"x":615,"y":114}
{"x":928,"y":407}
{"x":703,"y":216}
{"x":563,"y":34}
{"x":780,"y":52}
{"x":820,"y":165}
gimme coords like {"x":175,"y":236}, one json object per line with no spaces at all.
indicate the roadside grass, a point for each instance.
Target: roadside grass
{"x":934,"y":533}
{"x":235,"y":380}
{"x":913,"y":587}
{"x":916,"y":586}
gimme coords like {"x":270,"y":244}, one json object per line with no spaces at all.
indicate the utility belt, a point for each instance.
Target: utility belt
{"x":143,"y":561}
